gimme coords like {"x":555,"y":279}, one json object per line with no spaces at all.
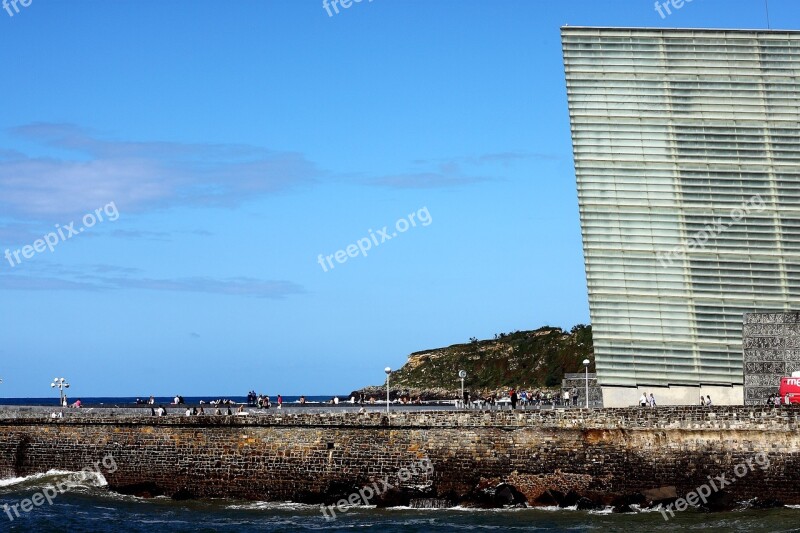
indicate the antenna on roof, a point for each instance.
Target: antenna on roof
{"x":766,"y":6}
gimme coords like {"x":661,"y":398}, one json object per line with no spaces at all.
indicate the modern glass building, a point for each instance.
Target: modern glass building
{"x":687,"y":155}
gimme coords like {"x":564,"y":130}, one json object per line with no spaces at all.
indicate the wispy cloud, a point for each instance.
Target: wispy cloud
{"x":47,"y":275}
{"x":503,"y":158}
{"x":20,"y":232}
{"x":44,"y":283}
{"x":99,"y":278}
{"x":255,"y":288}
{"x":453,"y":171}
{"x":425,"y":180}
{"x":141,"y":234}
{"x":137,"y":175}
{"x":156,"y":235}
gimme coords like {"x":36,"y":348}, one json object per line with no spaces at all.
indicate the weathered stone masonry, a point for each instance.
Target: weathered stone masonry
{"x":322,"y":457}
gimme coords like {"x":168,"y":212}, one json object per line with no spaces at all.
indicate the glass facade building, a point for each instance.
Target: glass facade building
{"x":687,"y":157}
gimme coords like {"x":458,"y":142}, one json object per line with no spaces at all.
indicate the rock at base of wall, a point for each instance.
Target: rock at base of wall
{"x":549,"y":498}
{"x":492,"y":497}
{"x":765,"y":503}
{"x":719,"y":502}
{"x":141,"y":490}
{"x":660,"y":495}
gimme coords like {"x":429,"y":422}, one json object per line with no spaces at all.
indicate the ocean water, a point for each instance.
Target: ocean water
{"x":91,"y":507}
{"x":160,"y":400}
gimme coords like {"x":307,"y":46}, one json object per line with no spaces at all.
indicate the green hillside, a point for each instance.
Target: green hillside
{"x":527,"y":359}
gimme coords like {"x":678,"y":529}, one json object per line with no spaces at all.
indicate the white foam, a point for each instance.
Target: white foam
{"x":92,"y":479}
{"x":8,"y":482}
{"x":271,"y":506}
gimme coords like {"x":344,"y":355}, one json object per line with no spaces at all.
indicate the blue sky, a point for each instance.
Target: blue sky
{"x":238,"y":141}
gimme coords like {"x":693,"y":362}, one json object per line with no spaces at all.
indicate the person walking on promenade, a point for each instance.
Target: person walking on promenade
{"x":513,"y":399}
{"x":708,"y":400}
{"x":643,"y":400}
{"x":574,"y":397}
{"x":280,"y":401}
{"x":652,"y":401}
{"x":702,"y":400}
{"x":566,"y":398}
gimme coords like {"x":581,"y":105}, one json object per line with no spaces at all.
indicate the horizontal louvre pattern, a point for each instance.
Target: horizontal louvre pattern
{"x":687,"y":156}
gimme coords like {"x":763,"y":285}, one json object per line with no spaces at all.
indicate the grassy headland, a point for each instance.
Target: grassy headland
{"x":532,"y":360}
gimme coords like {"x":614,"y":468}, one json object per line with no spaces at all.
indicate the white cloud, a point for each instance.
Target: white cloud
{"x":137,"y":176}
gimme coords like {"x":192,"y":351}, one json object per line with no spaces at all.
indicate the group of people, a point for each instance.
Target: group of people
{"x":262,"y":401}
{"x":65,"y":403}
{"x":549,"y":398}
{"x":404,"y":398}
{"x":775,"y":400}
{"x":194,"y":411}
{"x":650,"y":401}
{"x":567,"y":398}
{"x":647,"y":401}
{"x":521,"y":398}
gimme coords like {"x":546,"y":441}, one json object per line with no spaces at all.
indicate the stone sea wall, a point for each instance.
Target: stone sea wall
{"x":598,"y":454}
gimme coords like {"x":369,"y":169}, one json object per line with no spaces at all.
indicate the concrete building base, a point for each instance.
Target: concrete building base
{"x":674,"y":395}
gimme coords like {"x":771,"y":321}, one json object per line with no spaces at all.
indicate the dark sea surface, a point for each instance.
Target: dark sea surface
{"x":90,"y":507}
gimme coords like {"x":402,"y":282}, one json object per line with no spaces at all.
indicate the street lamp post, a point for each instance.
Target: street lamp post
{"x":60,"y":384}
{"x":388,"y":371}
{"x":586,"y":364}
{"x":462,"y":374}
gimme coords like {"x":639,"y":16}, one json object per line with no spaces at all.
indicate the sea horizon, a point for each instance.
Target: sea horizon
{"x":130,"y":401}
